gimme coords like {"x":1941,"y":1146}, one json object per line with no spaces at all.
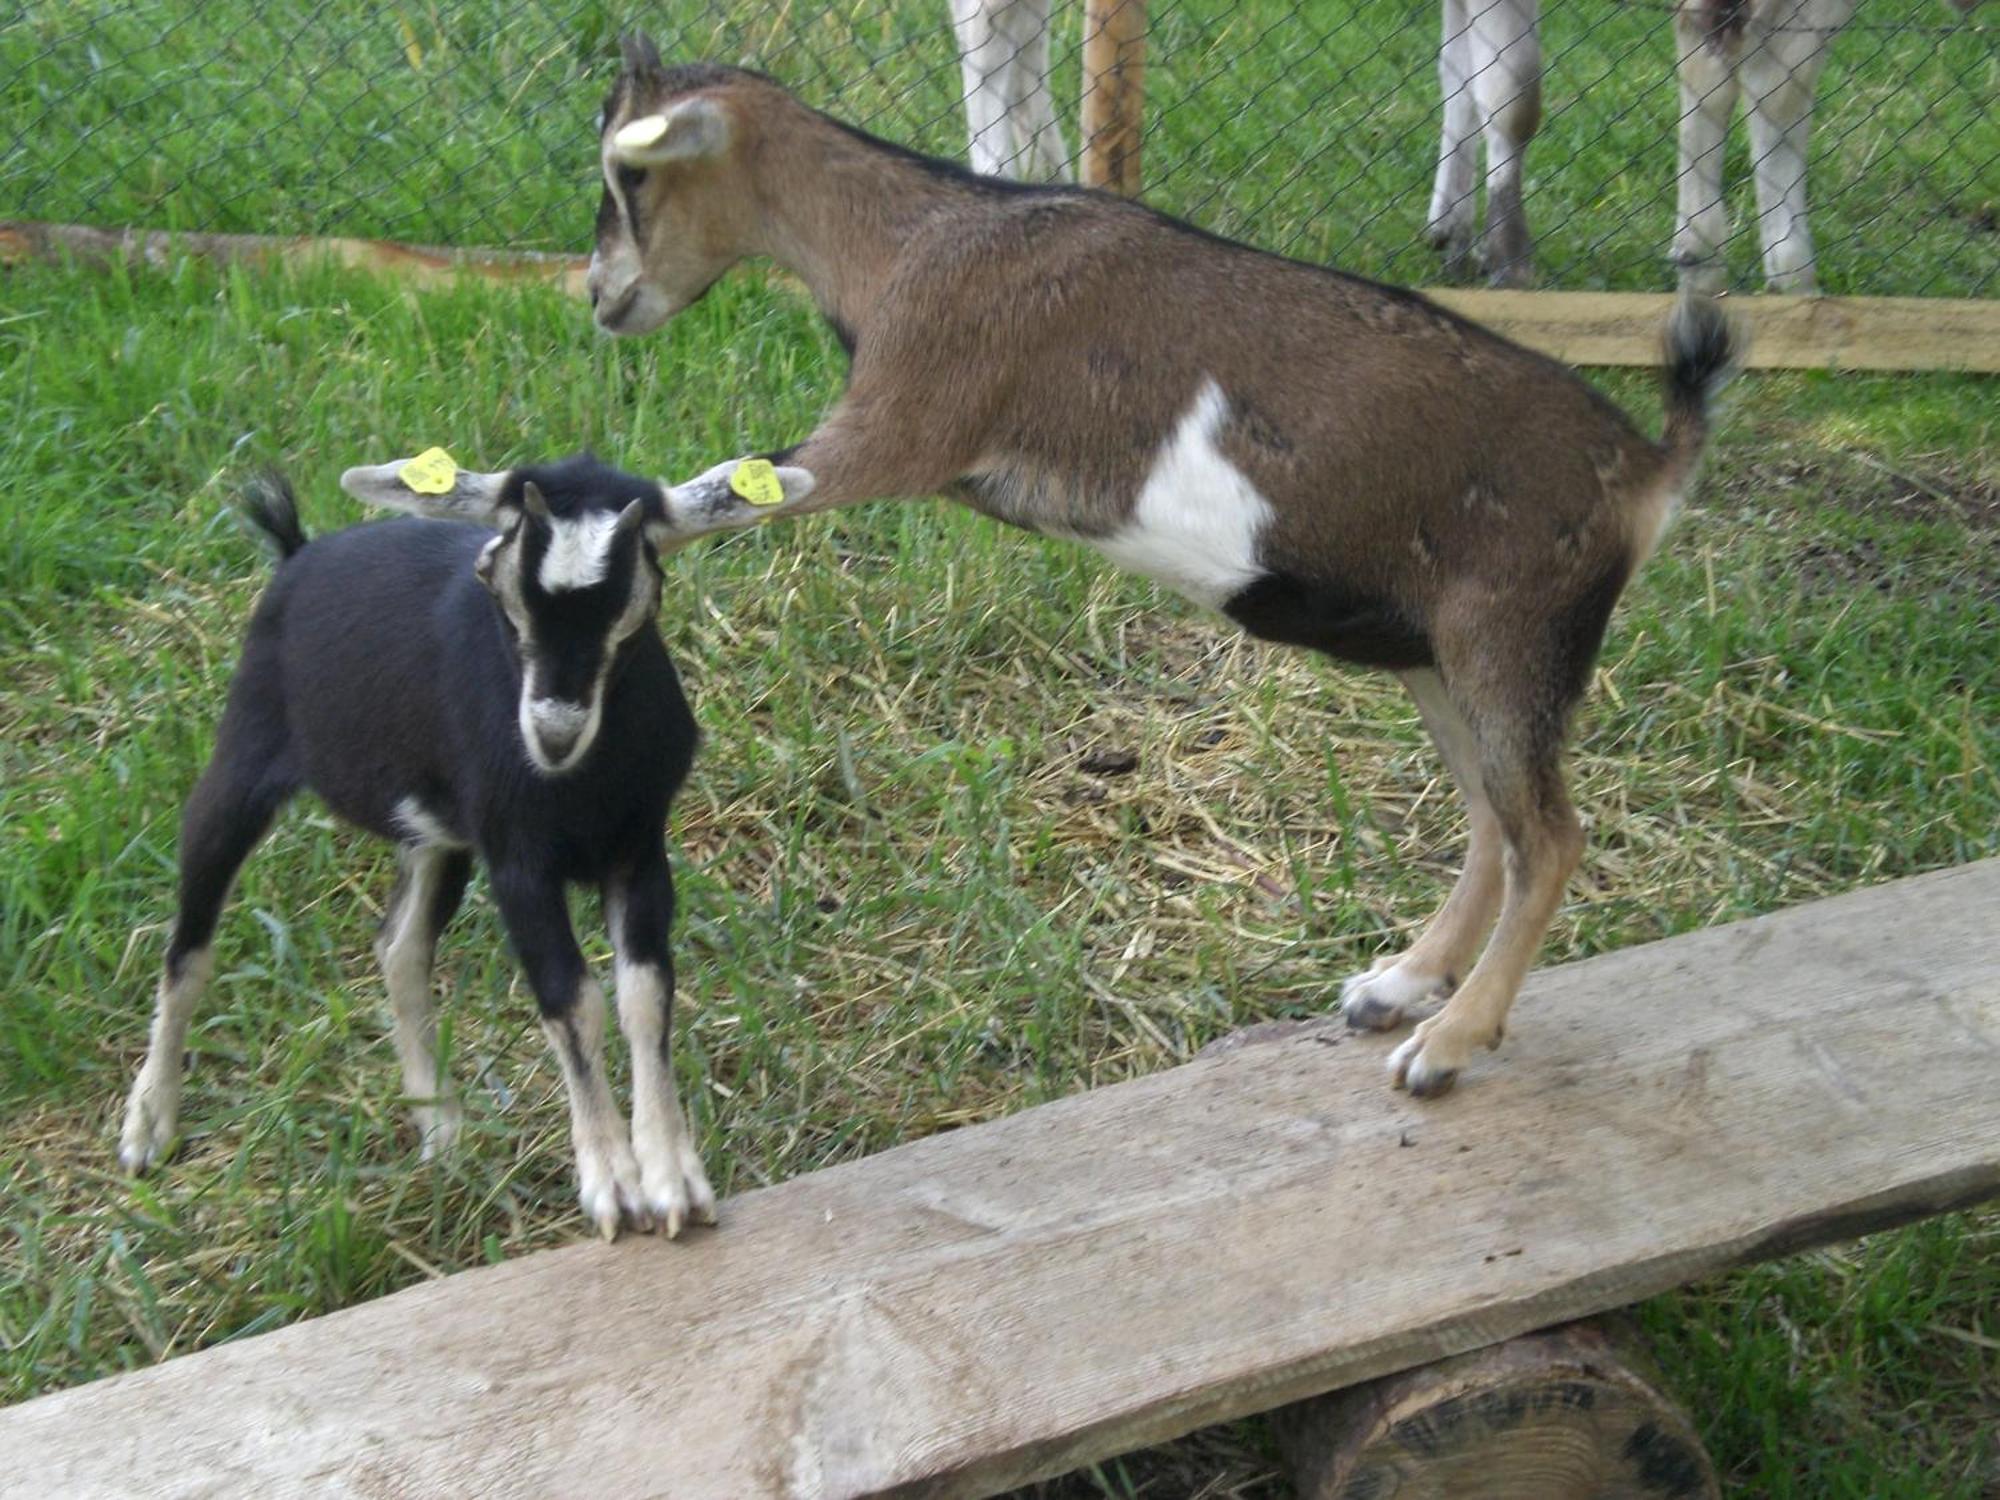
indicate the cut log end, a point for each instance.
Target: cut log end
{"x":1561,"y":1415}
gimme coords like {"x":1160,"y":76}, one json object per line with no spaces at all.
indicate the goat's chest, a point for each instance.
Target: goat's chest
{"x":1190,"y":519}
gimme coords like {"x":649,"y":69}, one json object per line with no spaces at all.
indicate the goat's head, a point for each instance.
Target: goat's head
{"x":673,"y":216}
{"x":573,"y":571}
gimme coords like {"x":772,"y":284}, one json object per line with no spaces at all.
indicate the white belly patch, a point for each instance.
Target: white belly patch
{"x":1195,"y":524}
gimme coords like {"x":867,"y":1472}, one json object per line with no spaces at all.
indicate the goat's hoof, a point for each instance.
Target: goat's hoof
{"x":1365,"y":1012}
{"x":1424,"y":1077}
{"x":680,"y":1197}
{"x":147,"y":1138}
{"x":437,"y":1128}
{"x":1380,"y":999}
{"x":610,"y":1192}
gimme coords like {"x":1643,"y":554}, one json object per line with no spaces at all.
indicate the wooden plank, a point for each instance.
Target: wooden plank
{"x":1581,"y":328}
{"x":1786,"y":333}
{"x":1112,"y":115}
{"x":1017,"y":1298}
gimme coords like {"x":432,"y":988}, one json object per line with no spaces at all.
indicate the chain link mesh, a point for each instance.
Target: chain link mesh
{"x":1306,"y":126}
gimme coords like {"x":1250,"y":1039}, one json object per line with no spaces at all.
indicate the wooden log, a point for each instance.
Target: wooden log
{"x":1015,"y":1299}
{"x":1114,"y":93}
{"x":1571,"y":1413}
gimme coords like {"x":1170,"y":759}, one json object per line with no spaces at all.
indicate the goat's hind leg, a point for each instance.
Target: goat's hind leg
{"x":1707,"y":77}
{"x":246,"y":782}
{"x":639,"y":910}
{"x":429,"y":888}
{"x":1779,"y":76}
{"x":1433,"y":965}
{"x":1507,"y":82}
{"x":1454,"y":209}
{"x":1520,"y":747}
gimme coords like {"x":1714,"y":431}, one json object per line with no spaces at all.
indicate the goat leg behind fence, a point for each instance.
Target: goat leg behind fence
{"x":1707,"y":77}
{"x":1490,"y":71}
{"x":1003,"y":56}
{"x":1779,"y":75}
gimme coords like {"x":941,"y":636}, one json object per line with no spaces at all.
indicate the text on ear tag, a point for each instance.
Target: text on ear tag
{"x":431,"y":472}
{"x":757,"y":482}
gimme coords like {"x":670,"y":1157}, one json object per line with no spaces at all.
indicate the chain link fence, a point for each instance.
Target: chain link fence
{"x":1306,"y":126}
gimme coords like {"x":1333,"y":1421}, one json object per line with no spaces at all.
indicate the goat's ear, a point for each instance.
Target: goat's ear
{"x":472,"y":497}
{"x":687,"y":131}
{"x":709,"y":502}
{"x":637,"y":52}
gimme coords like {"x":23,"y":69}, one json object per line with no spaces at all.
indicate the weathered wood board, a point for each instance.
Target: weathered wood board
{"x":1015,"y":1299}
{"x":1582,"y":328}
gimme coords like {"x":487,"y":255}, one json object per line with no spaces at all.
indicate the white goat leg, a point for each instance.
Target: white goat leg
{"x":1708,"y":98}
{"x":670,"y":1171}
{"x":1010,"y":118}
{"x":406,"y":950}
{"x":1778,"y":77}
{"x":1454,"y":208}
{"x":1506,"y":54}
{"x":608,"y":1180}
{"x":152,"y":1109}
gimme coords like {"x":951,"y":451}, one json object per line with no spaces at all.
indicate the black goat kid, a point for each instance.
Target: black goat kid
{"x":467,"y":690}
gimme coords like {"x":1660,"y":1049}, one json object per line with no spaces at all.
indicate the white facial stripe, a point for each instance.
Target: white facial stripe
{"x":579,"y":551}
{"x":609,"y":163}
{"x":1196,"y":522}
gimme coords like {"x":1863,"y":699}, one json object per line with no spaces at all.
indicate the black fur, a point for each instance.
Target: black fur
{"x":1300,"y":612}
{"x":1701,"y":354}
{"x":377,"y":668}
{"x":266,"y":503}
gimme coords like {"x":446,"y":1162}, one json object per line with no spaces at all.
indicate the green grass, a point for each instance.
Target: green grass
{"x":907,"y":904}
{"x":1309,"y":128}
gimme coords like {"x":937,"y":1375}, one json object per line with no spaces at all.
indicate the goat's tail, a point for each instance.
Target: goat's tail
{"x":267,"y":504}
{"x":1703,"y":352}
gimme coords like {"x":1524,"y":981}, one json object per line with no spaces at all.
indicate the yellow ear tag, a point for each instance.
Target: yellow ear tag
{"x":756,"y":481}
{"x":431,"y":472}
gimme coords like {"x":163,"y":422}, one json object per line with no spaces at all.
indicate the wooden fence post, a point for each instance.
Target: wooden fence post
{"x":1114,"y":93}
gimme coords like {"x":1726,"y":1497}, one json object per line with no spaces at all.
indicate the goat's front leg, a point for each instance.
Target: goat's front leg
{"x":864,"y":450}
{"x":537,"y":917}
{"x":639,"y":910}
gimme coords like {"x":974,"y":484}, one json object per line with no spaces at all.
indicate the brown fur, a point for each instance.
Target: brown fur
{"x":1444,"y":501}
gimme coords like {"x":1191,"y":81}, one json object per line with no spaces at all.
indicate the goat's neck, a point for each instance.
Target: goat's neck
{"x":834,"y":209}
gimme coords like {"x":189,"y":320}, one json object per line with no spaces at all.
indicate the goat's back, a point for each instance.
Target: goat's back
{"x":399,"y":681}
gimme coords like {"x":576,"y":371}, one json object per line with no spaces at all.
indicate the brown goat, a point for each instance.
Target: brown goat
{"x":1331,"y":463}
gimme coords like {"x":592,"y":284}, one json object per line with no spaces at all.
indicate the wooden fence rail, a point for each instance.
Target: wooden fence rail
{"x":1583,"y":328}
